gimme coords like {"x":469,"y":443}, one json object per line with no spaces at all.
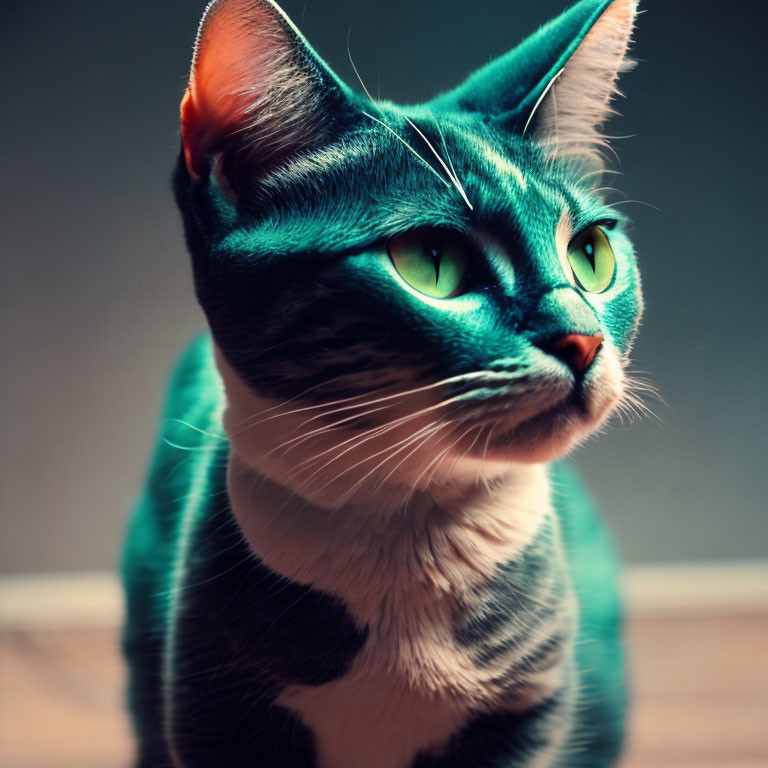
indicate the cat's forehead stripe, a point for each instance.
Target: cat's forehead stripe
{"x":488,"y":153}
{"x":317,"y":163}
{"x":505,"y":167}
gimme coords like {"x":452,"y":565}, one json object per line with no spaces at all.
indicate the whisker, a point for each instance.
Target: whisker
{"x":598,"y":172}
{"x":374,"y":432}
{"x":406,"y":144}
{"x":634,"y":389}
{"x":442,"y":382}
{"x":367,"y":458}
{"x":410,"y":440}
{"x":460,"y":378}
{"x":550,"y":84}
{"x":633,"y":380}
{"x":485,"y":454}
{"x":301,"y":438}
{"x":445,"y":146}
{"x":408,"y":455}
{"x":357,"y":74}
{"x":479,"y":427}
{"x":180,"y":447}
{"x":641,"y":406}
{"x":452,"y":177}
{"x":196,"y":429}
{"x":637,"y":202}
{"x":400,"y":138}
{"x":300,"y":395}
{"x":415,"y":485}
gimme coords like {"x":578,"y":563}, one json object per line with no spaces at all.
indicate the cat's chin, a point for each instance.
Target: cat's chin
{"x":554,"y":431}
{"x":546,"y":437}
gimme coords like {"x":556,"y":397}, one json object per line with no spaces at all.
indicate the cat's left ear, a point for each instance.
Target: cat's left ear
{"x":257,"y":92}
{"x":557,"y":85}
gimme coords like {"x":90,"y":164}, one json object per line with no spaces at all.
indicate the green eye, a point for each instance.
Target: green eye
{"x":591,"y":258}
{"x":434,"y":263}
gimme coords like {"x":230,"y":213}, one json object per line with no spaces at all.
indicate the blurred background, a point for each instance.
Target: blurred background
{"x":97,"y":302}
{"x":96,"y":291}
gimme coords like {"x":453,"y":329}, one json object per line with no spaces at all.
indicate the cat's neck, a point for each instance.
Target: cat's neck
{"x":442,"y":546}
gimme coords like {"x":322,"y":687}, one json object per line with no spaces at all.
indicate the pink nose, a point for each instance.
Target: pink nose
{"x":578,"y":350}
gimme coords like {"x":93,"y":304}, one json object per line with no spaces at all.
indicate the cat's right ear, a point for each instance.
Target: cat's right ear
{"x":257,"y":92}
{"x":557,"y":85}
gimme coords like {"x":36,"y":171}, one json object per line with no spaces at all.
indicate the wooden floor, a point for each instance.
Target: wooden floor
{"x":700,"y":695}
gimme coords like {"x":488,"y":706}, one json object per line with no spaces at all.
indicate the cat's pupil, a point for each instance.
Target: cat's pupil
{"x":589,"y":250}
{"x":436,"y":256}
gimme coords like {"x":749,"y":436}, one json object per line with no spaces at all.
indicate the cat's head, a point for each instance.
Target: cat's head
{"x":403,"y":295}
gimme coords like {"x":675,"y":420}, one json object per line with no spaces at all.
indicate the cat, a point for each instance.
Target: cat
{"x":356,"y":548}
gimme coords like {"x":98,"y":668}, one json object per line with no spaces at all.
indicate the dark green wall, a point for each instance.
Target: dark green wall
{"x":96,"y":294}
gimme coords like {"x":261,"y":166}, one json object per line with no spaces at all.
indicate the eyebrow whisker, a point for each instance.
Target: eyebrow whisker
{"x":357,"y":74}
{"x":401,"y":139}
{"x":451,"y":176}
{"x":541,"y":98}
{"x":383,"y":124}
{"x":447,"y":154}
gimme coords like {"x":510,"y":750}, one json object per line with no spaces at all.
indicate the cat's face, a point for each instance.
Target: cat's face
{"x":418,"y":291}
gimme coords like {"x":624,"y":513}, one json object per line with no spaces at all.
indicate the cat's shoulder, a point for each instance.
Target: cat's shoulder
{"x":194,"y":381}
{"x":594,"y":574}
{"x":587,"y":542}
{"x":187,"y":449}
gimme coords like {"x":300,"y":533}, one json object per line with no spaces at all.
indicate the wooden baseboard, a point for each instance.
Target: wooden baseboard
{"x":55,"y":600}
{"x":58,"y":600}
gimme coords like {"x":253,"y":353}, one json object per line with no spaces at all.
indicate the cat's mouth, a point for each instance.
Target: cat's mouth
{"x":545,"y":422}
{"x":510,"y":406}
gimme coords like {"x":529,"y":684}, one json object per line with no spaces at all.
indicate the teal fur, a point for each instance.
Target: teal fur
{"x":298,"y":248}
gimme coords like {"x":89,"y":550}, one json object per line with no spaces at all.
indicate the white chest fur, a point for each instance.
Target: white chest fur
{"x":407,"y":579}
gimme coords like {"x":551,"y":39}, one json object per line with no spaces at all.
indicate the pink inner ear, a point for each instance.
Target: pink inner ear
{"x":189,"y":139}
{"x":239,"y":54}
{"x":578,"y":102}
